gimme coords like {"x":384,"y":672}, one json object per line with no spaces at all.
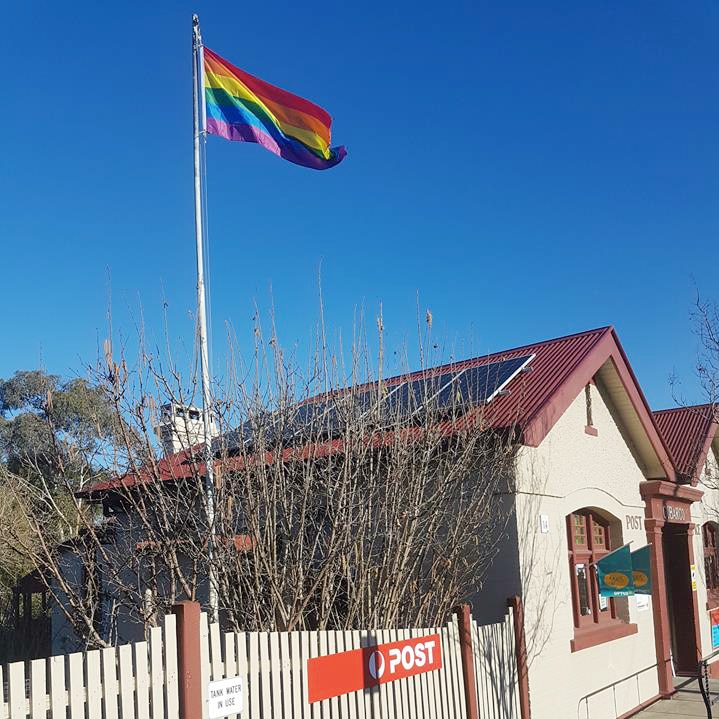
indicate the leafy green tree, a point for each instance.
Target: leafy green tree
{"x":55,"y":437}
{"x":54,"y":430}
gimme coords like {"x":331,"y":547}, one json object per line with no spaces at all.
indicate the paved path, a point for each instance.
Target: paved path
{"x":687,"y":702}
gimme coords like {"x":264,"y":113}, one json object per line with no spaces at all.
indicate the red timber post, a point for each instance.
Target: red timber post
{"x":520,"y":648}
{"x":662,"y":640}
{"x":189,"y":659}
{"x":464,"y":619}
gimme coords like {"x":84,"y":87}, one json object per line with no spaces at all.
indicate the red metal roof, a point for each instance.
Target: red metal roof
{"x":555,"y":360}
{"x":174,"y":466}
{"x":536,"y":398}
{"x":687,"y":432}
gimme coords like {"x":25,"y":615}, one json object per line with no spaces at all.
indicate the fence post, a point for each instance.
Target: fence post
{"x":464,"y":620}
{"x":520,"y":648}
{"x":189,"y":659}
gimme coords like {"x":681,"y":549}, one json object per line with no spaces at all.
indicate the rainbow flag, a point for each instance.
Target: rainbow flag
{"x":244,"y":108}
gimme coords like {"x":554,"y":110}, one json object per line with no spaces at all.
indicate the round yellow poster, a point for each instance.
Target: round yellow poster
{"x":616,"y":580}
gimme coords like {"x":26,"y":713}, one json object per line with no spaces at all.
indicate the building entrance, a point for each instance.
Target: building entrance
{"x":680,"y":597}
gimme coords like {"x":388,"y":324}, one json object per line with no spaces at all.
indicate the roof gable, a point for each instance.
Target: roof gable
{"x":560,"y":370}
{"x":688,"y":432}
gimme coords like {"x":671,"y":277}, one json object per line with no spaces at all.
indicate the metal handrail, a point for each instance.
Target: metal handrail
{"x":703,"y":676}
{"x":587,"y":697}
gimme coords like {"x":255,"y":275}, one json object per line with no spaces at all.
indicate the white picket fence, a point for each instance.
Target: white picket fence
{"x":140,"y":681}
{"x":273,"y":668}
{"x":133,"y":681}
{"x":495,"y":669}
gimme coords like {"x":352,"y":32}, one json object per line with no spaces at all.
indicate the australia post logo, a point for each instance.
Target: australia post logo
{"x":335,"y":674}
{"x":399,"y":659}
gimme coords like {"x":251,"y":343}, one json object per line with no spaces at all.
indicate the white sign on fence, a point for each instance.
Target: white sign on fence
{"x":224,"y":697}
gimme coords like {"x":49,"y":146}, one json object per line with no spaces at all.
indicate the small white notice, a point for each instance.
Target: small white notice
{"x":224,"y":697}
{"x":544,"y":523}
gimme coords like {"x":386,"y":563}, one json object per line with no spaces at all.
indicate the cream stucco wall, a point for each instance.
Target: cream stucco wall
{"x":568,"y":471}
{"x":705,"y":511}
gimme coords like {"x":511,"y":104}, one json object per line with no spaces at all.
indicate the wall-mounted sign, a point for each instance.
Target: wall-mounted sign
{"x":544,"y":523}
{"x":336,"y":674}
{"x":642,"y":602}
{"x":714,"y":620}
{"x":641,"y":570}
{"x":224,"y":697}
{"x":634,"y":521}
{"x":622,"y":573}
{"x":675,"y":512}
{"x":614,"y":573}
{"x":693,"y":568}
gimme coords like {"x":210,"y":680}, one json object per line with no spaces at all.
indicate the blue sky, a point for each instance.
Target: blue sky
{"x":529,"y":170}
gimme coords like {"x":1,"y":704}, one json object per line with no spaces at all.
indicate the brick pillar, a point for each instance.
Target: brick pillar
{"x":189,"y":659}
{"x":520,"y":648}
{"x":662,"y":638}
{"x":464,"y":619}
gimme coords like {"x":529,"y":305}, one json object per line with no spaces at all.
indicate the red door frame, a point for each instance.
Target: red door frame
{"x":668,"y":503}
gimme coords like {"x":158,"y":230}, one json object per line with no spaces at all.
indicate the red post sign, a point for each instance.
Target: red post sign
{"x":336,"y":674}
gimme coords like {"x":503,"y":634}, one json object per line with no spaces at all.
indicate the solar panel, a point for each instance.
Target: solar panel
{"x":410,"y":397}
{"x":370,"y":399}
{"x":233,"y":439}
{"x":383,"y":405}
{"x":479,"y":385}
{"x":312,"y":420}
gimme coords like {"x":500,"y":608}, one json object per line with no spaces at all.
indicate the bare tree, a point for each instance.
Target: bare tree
{"x":344,"y":499}
{"x":705,"y":326}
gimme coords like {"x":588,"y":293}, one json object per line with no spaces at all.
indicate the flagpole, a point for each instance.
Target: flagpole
{"x":198,"y":116}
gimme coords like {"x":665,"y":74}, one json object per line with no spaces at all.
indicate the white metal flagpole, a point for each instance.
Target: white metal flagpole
{"x":198,"y":112}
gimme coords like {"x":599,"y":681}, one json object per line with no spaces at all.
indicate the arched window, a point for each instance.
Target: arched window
{"x":589,"y":539}
{"x":710,"y":536}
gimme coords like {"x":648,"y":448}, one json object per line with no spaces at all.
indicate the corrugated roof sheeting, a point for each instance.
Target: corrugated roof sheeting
{"x":554,"y":361}
{"x":529,"y":393}
{"x":686,"y":433}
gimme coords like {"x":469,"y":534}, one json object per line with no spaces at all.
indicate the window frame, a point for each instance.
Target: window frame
{"x":598,"y":625}
{"x":588,"y":554}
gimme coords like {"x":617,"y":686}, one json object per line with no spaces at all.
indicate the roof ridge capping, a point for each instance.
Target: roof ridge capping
{"x":542,"y":343}
{"x":530,"y":348}
{"x":684,"y":408}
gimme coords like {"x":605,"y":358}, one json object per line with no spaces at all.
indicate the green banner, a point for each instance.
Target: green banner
{"x":614,"y":573}
{"x":641,"y":571}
